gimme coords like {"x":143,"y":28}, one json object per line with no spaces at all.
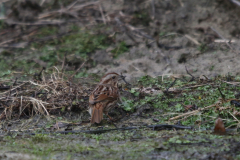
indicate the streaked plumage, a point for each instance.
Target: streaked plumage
{"x":103,"y":97}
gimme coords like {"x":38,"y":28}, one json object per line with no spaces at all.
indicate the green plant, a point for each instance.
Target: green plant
{"x":128,"y":105}
{"x":78,"y":44}
{"x":121,"y":48}
{"x":134,"y":92}
{"x":40,"y":138}
{"x":211,"y":68}
{"x":203,"y":48}
{"x":142,"y":17}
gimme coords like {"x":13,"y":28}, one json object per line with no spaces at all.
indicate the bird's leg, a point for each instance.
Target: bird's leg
{"x":113,"y":124}
{"x":106,"y":113}
{"x":111,"y":119}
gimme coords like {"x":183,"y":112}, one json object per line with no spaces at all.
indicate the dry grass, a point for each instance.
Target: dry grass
{"x":42,"y":96}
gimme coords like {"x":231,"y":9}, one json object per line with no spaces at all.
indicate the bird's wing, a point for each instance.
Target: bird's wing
{"x":103,"y":92}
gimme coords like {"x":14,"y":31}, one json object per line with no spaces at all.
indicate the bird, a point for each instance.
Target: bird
{"x":104,"y":96}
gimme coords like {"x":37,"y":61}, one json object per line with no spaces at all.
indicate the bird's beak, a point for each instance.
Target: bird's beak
{"x":123,"y":78}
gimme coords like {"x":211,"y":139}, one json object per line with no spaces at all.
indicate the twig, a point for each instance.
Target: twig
{"x":189,"y":74}
{"x":7,"y":41}
{"x":44,"y":39}
{"x":42,"y":22}
{"x":171,"y":85}
{"x":223,"y":96}
{"x":76,"y":71}
{"x":125,"y":27}
{"x":200,"y":85}
{"x":42,"y":2}
{"x":224,"y":41}
{"x":222,"y":37}
{"x":68,"y":10}
{"x":15,"y":82}
{"x":101,"y":10}
{"x":205,"y":77}
{"x":73,"y":4}
{"x":232,"y":83}
{"x":193,"y":112}
{"x":192,"y":39}
{"x":13,"y":88}
{"x":153,"y":9}
{"x":63,"y":63}
{"x":234,"y":117}
{"x":180,"y":1}
{"x":37,"y":76}
{"x":236,"y":2}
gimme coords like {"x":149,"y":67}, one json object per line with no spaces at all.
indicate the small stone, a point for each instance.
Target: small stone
{"x":155,"y":120}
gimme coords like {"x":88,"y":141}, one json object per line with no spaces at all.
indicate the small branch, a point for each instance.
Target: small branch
{"x":41,"y":22}
{"x":222,"y":37}
{"x":223,"y":96}
{"x":171,"y":85}
{"x":234,"y":117}
{"x":189,"y":74}
{"x":103,"y":16}
{"x":181,"y":3}
{"x":200,"y":85}
{"x":15,"y":82}
{"x":236,"y":2}
{"x":224,"y":41}
{"x":42,"y":2}
{"x":77,"y":71}
{"x":193,"y":112}
{"x":63,"y":63}
{"x":67,"y":10}
{"x":192,"y":39}
{"x":153,"y":9}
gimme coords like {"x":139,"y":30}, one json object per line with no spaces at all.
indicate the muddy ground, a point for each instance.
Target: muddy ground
{"x":146,"y":40}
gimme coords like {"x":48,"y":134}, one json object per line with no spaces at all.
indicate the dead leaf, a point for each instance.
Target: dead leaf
{"x":219,"y":127}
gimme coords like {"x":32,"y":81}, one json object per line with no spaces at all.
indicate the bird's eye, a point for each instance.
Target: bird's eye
{"x":113,"y":77}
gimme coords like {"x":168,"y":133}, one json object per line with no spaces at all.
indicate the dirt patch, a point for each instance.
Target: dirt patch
{"x":188,"y":26}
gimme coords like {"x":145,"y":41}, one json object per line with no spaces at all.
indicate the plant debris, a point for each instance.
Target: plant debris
{"x":42,"y":96}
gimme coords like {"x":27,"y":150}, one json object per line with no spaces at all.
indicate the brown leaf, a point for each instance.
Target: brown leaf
{"x":219,"y":127}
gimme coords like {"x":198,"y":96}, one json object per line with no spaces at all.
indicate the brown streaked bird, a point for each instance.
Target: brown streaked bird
{"x":104,"y":96}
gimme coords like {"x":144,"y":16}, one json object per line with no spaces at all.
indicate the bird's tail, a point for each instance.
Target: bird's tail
{"x":97,"y":113}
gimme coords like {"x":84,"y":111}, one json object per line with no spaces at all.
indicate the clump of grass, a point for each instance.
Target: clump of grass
{"x":40,"y":138}
{"x":47,"y":31}
{"x":203,"y":48}
{"x":120,"y":49}
{"x":2,"y":24}
{"x":142,"y":17}
{"x":78,"y":44}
